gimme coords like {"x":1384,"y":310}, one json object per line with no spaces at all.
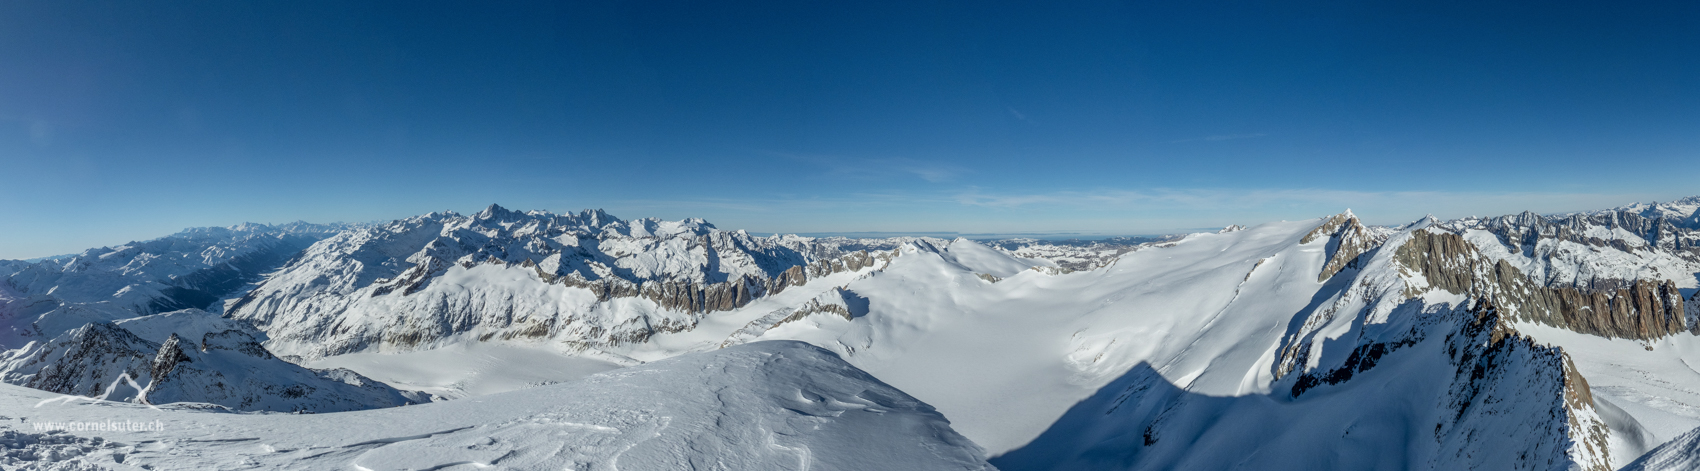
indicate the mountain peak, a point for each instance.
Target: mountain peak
{"x":495,"y":210}
{"x":597,"y":216}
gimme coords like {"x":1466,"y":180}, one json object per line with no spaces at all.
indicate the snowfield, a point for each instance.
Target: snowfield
{"x":763,"y":406}
{"x":583,"y":341}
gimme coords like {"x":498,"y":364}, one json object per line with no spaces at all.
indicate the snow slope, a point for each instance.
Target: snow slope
{"x":586,"y":283}
{"x":196,"y":358}
{"x":1004,"y":360}
{"x":190,"y":269}
{"x":1241,"y":340}
{"x":1679,"y":454}
{"x":1517,"y":342}
{"x":472,"y":369}
{"x":764,"y":406}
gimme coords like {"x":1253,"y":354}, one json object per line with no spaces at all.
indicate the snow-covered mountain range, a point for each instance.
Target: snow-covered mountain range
{"x":1514,"y":342}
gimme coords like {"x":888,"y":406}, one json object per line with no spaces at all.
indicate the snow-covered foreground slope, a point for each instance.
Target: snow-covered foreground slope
{"x":1518,"y":342}
{"x":764,"y":406}
{"x":1262,"y":341}
{"x":1005,"y":359}
{"x":472,"y":369}
{"x":189,"y":356}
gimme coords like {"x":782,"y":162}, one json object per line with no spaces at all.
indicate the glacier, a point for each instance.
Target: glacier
{"x":1515,"y":342}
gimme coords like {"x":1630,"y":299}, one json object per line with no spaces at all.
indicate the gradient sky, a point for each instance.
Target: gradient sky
{"x":131,"y":120}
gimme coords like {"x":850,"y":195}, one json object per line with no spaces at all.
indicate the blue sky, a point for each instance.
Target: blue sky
{"x":123,"y":121}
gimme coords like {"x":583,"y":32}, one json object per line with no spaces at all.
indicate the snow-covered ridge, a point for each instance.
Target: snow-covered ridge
{"x":765,"y":406}
{"x":1073,"y":254}
{"x":1595,"y":250}
{"x":201,"y":359}
{"x":190,"y":269}
{"x":1270,"y":340}
{"x":588,"y":280}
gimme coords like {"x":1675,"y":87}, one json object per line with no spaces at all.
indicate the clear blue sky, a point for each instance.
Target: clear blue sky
{"x":131,"y":120}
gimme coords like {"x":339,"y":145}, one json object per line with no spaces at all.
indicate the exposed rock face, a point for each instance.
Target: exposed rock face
{"x":1496,"y":381}
{"x":1692,"y":309}
{"x":1347,"y":240}
{"x":1602,"y":250}
{"x":1496,"y":367}
{"x":228,"y":368}
{"x":190,"y":269}
{"x":231,"y":369}
{"x":1641,"y":310}
{"x":83,"y":362}
{"x":590,"y":280}
{"x":1435,"y":388}
{"x":838,"y":303}
{"x":1500,"y":381}
{"x":1654,"y":228}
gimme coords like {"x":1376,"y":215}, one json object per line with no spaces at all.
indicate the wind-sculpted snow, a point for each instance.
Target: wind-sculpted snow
{"x":589,"y":281}
{"x":762,"y":406}
{"x":1679,"y":454}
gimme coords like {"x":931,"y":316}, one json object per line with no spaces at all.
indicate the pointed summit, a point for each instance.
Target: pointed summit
{"x":597,"y":217}
{"x":495,"y":210}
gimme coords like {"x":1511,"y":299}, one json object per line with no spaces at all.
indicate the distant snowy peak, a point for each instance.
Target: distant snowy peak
{"x":1686,"y":209}
{"x":1601,"y":250}
{"x":191,"y":269}
{"x":590,"y":280}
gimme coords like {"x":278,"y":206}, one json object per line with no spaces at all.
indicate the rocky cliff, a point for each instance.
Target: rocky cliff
{"x":228,"y":368}
{"x":589,"y":280}
{"x":1428,"y":292}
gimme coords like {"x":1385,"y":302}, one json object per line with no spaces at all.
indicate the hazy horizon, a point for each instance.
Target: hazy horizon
{"x":124,"y":122}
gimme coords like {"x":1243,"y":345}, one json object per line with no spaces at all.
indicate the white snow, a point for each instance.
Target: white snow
{"x":468,"y":369}
{"x":766,"y":406}
{"x":1004,"y":360}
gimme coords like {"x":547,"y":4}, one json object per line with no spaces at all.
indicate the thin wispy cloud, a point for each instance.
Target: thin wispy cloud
{"x":1385,"y":206}
{"x":1104,"y":211}
{"x":1222,"y":137}
{"x":879,"y":168}
{"x":1020,"y":116}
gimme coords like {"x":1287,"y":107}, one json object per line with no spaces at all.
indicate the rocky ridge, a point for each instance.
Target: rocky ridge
{"x":588,"y":280}
{"x":1423,"y":286}
{"x":228,"y":368}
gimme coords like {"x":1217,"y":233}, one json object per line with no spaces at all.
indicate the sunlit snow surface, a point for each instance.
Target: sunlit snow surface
{"x":764,"y":406}
{"x":1004,"y":360}
{"x":1659,"y":388}
{"x":469,"y":369}
{"x":1032,"y":364}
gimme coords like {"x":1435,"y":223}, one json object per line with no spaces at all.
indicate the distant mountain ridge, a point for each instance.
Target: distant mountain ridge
{"x":1122,"y":354}
{"x":590,"y":279}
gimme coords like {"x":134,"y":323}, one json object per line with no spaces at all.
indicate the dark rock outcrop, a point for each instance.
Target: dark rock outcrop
{"x":1642,"y":310}
{"x":228,"y":368}
{"x":84,"y":361}
{"x":1347,"y":240}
